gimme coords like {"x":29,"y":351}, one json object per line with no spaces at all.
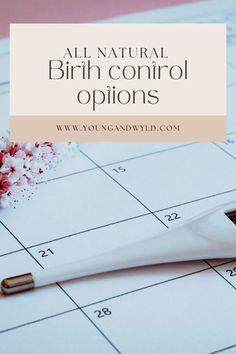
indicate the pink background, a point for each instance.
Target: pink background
{"x":12,"y":11}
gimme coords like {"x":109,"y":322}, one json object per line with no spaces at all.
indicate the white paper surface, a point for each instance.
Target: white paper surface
{"x":107,"y":195}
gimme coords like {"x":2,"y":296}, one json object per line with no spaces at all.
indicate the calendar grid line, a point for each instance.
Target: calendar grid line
{"x":43,"y":267}
{"x":4,"y":92}
{"x":22,"y":245}
{"x":87,"y":316}
{"x":67,"y":175}
{"x":116,"y":296}
{"x":227,"y":153}
{"x":66,"y":293}
{"x":145,"y":287}
{"x":213,"y":268}
{"x":103,"y":300}
{"x":228,"y":62}
{"x":196,"y":200}
{"x":2,"y":83}
{"x":80,"y":309}
{"x":223,"y":263}
{"x":207,"y":262}
{"x":62,"y":289}
{"x":147,"y":154}
{"x":231,"y":85}
{"x":131,"y":218}
{"x":115,"y":222}
{"x":89,"y":230}
{"x":159,"y":283}
{"x":8,"y":253}
{"x":134,"y":217}
{"x":38,"y":320}
{"x":116,"y":162}
{"x":223,"y":349}
{"x":124,"y":188}
{"x":199,"y":16}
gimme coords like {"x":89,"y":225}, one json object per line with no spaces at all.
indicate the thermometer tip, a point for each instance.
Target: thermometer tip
{"x":17,"y":284}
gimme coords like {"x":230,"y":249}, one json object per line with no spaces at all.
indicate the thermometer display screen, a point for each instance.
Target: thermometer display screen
{"x":232,"y":216}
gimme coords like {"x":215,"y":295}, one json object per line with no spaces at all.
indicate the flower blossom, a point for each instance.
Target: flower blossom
{"x":23,"y":165}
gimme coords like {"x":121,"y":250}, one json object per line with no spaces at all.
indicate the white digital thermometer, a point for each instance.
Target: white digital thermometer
{"x":209,"y":235}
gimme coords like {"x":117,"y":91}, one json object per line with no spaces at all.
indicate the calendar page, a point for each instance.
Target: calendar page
{"x":108,"y":195}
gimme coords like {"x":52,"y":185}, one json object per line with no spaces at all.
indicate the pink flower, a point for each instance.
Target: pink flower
{"x":1,"y":158}
{"x":22,"y":165}
{"x":13,"y":167}
{"x":5,"y":184}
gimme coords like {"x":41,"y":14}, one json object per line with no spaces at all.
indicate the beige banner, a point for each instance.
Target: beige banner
{"x":112,"y":82}
{"x":117,"y":128}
